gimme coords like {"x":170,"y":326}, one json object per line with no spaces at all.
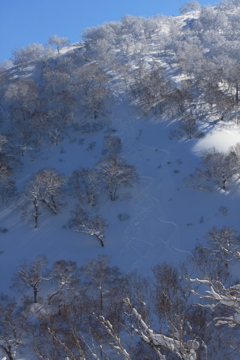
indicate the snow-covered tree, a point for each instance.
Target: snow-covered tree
{"x":44,"y":188}
{"x":59,"y":42}
{"x":114,"y":172}
{"x":82,"y":222}
{"x":21,"y":56}
{"x":12,"y":327}
{"x":65,"y":278}
{"x":184,"y":350}
{"x":31,"y":275}
{"x":189,"y":6}
{"x":219,"y":295}
{"x":219,"y":168}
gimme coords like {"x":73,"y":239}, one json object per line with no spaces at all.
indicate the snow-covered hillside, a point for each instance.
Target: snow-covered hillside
{"x":143,"y":83}
{"x":166,"y":218}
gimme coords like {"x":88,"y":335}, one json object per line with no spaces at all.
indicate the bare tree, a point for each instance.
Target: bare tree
{"x":7,"y":184}
{"x":225,"y":240}
{"x":83,"y":223}
{"x":84,"y":183}
{"x":54,"y":337}
{"x":65,"y":276}
{"x":114,"y":172}
{"x":45,"y":187}
{"x":12,"y":327}
{"x":219,"y":168}
{"x":22,"y":99}
{"x":112,"y":145}
{"x":103,"y":282}
{"x":90,"y":89}
{"x":171,"y":296}
{"x":188,"y":124}
{"x":115,"y":343}
{"x":32,"y":275}
{"x":210,"y":263}
{"x":150,"y":89}
{"x":5,"y":169}
{"x":57,"y":41}
{"x":217,"y":289}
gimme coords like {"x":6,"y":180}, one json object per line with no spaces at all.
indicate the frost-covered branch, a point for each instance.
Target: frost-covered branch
{"x":116,"y":342}
{"x":219,"y":295}
{"x":81,"y":222}
{"x":184,"y":350}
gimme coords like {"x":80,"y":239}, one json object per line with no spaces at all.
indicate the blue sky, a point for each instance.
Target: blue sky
{"x":24,"y":22}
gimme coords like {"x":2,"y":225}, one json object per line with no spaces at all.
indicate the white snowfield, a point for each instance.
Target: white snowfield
{"x":222,"y":138}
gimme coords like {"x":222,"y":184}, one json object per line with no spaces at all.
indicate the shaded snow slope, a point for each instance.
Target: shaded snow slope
{"x":166,"y":219}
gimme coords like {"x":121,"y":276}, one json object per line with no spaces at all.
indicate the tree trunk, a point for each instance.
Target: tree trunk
{"x":224,"y":183}
{"x":8,"y":352}
{"x":36,"y":212}
{"x":10,"y":355}
{"x":51,"y":207}
{"x":95,"y":114}
{"x":54,"y":205}
{"x":100,"y":239}
{"x":35,"y":292}
{"x":114,"y":194}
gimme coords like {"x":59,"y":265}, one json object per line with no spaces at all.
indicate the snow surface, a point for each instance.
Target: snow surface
{"x":220,"y":138}
{"x":166,"y":218}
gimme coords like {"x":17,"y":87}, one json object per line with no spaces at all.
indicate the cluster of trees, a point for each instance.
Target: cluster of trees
{"x":40,"y":109}
{"x":204,"y":51}
{"x":46,"y":189}
{"x":219,"y":169}
{"x":22,"y":56}
{"x":110,"y":173}
{"x":75,"y":85}
{"x":97,"y":312}
{"x":7,"y":184}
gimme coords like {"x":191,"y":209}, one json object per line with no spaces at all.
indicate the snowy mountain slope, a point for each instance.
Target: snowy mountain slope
{"x":159,"y":87}
{"x":166,"y":219}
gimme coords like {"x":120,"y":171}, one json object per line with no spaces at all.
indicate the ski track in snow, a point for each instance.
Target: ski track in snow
{"x":148,"y":207}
